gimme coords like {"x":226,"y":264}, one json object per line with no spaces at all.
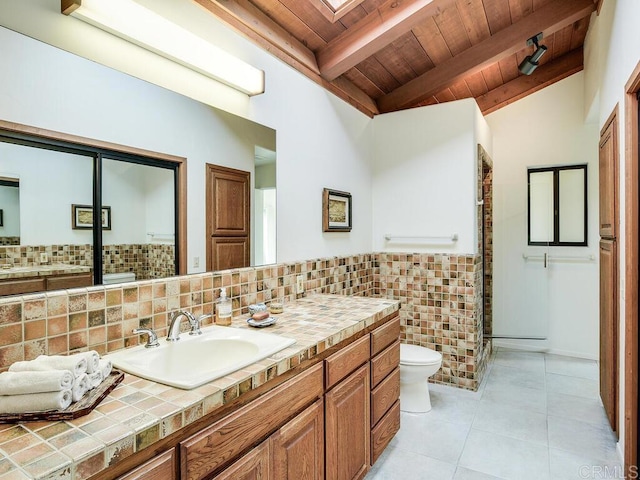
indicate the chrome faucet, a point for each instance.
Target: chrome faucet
{"x":152,"y":338}
{"x":174,"y":327}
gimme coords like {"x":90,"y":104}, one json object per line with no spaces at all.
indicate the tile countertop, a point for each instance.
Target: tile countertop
{"x":140,"y":412}
{"x":41,"y":270}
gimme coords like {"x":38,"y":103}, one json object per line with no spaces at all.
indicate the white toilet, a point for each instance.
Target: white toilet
{"x":417,"y":364}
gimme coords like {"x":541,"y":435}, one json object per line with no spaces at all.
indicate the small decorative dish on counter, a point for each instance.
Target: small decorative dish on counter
{"x":262,"y":323}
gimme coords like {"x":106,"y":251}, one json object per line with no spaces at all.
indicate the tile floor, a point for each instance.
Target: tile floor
{"x":536,"y":416}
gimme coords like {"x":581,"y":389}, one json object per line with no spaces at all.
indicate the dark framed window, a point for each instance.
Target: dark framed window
{"x":557,"y":206}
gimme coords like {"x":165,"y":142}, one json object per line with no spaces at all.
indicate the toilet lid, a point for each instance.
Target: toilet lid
{"x":417,"y":355}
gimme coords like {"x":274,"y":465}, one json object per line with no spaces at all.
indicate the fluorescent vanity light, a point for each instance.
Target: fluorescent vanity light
{"x":134,"y":23}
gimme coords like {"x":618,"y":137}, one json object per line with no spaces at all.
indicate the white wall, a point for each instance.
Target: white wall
{"x":133,"y":112}
{"x":546,"y":128}
{"x":424,"y":181}
{"x":612,"y":51}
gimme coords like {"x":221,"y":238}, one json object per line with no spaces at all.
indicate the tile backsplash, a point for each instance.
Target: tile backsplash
{"x":441,"y":306}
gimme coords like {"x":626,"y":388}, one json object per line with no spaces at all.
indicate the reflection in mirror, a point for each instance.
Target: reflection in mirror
{"x":140,"y":244}
{"x":265,"y":206}
{"x":9,"y":210}
{"x":50,"y":182}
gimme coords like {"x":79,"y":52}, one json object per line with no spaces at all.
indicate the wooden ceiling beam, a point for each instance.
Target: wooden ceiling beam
{"x":545,"y":75}
{"x":379,"y":28}
{"x":247,"y":19}
{"x":548,"y":19}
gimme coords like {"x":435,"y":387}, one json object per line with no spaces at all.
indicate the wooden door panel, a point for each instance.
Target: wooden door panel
{"x":298,"y":447}
{"x":163,"y":466}
{"x":347,"y":427}
{"x":228,"y":218}
{"x":229,"y":252}
{"x":254,"y":465}
{"x":608,"y":180}
{"x":609,"y":330}
{"x":230,"y":204}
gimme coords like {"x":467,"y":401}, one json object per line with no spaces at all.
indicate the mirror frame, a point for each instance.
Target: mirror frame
{"x":180,"y":162}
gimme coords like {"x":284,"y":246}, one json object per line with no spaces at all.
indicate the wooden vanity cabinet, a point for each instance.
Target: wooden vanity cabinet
{"x":347,"y":427}
{"x":330,"y":421}
{"x":163,"y":466}
{"x":213,"y":447}
{"x":385,"y":386}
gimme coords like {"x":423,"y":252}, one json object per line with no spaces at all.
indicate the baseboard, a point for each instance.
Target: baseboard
{"x":542,"y":348}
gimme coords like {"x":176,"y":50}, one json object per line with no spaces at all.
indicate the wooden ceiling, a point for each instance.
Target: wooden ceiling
{"x":388,"y":55}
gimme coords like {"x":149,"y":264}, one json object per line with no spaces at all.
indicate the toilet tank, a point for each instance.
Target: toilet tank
{"x":111,"y":278}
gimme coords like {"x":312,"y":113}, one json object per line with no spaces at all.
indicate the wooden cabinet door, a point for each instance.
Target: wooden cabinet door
{"x":163,"y":466}
{"x":609,"y":330}
{"x":608,"y":179}
{"x":229,"y":252}
{"x":347,"y":427}
{"x":228,"y":216}
{"x":254,"y":465}
{"x":298,"y":447}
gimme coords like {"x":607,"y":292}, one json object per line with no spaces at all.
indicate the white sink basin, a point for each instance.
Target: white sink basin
{"x":195,"y":360}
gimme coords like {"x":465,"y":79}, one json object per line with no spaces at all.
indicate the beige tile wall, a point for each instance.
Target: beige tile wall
{"x":441,"y":306}
{"x":102,"y":318}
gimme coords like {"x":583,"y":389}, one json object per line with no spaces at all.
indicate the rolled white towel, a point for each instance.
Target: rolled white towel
{"x":20,"y":383}
{"x":105,"y":367}
{"x":30,"y":366}
{"x":92,"y":358}
{"x":76,"y":363}
{"x":95,"y":379}
{"x":35,"y":402}
{"x":80,"y":387}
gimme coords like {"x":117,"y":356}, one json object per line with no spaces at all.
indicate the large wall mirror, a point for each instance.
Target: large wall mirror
{"x":47,"y":199}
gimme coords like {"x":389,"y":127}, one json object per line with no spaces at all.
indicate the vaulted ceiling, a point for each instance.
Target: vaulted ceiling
{"x":388,"y":55}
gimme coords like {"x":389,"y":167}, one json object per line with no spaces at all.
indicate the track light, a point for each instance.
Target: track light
{"x":530,"y":63}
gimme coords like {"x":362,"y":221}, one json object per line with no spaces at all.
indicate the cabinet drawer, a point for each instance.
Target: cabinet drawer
{"x":163,"y":466}
{"x":384,"y":363}
{"x":385,"y":395}
{"x":382,"y":433}
{"x":69,"y":281}
{"x":385,"y":335}
{"x":17,"y":287}
{"x":216,"y":445}
{"x":341,"y":364}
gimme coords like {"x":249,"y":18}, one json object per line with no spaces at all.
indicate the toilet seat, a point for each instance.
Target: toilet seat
{"x":417,"y":355}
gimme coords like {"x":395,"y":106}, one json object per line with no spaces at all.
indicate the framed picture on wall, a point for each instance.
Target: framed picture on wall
{"x":82,"y":217}
{"x":336,"y":211}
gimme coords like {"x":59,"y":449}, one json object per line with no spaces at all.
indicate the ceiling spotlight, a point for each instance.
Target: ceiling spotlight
{"x":530,"y":63}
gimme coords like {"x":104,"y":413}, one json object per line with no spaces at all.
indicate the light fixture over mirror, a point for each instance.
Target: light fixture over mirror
{"x":136,"y":24}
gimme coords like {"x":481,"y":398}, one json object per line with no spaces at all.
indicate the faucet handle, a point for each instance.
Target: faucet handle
{"x":152,"y":337}
{"x":196,"y":322}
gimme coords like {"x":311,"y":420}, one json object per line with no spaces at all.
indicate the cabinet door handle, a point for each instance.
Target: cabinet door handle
{"x":545,"y":260}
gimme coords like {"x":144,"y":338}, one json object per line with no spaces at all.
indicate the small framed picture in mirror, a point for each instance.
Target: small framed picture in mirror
{"x":82,"y":217}
{"x":336,"y":211}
